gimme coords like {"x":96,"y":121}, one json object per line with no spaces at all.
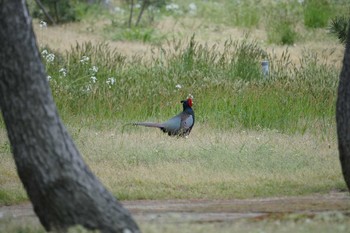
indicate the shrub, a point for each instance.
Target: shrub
{"x":234,"y":12}
{"x":339,"y":27}
{"x":282,"y":32}
{"x":281,"y":22}
{"x":143,"y":34}
{"x":317,"y":13}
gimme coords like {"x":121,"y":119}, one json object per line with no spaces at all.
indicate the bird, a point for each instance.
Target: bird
{"x":179,"y":125}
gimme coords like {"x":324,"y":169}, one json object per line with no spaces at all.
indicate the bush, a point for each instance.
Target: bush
{"x":143,"y":34}
{"x":339,"y":27}
{"x":233,"y":12}
{"x":281,"y":22}
{"x":62,"y":11}
{"x":282,"y":32}
{"x":317,"y":13}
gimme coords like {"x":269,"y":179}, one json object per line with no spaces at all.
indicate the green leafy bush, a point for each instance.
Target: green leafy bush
{"x":282,"y":21}
{"x":282,"y":32}
{"x":339,"y":27}
{"x":317,"y":13}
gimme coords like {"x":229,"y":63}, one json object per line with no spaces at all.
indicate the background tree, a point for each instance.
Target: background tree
{"x":144,"y":5}
{"x":343,"y":113}
{"x":61,"y":11}
{"x":63,"y":190}
{"x":339,"y":27}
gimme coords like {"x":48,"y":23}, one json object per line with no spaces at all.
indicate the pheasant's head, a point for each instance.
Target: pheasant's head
{"x":187,"y":103}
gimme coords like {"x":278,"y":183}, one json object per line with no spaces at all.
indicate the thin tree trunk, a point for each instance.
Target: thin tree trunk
{"x":48,"y":16}
{"x":343,"y":114}
{"x":145,"y":3}
{"x":131,"y":13}
{"x":55,"y":4}
{"x":63,"y":190}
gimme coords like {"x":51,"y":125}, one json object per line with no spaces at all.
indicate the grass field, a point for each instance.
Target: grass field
{"x":211,"y":164}
{"x":255,"y":136}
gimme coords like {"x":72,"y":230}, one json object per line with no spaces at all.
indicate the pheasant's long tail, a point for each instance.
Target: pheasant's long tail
{"x":148,"y":124}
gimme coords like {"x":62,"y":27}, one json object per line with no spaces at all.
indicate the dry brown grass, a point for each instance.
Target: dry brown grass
{"x":144,"y":163}
{"x":62,"y":37}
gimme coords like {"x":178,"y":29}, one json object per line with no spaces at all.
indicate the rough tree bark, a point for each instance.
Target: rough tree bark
{"x":63,"y":190}
{"x":343,"y":114}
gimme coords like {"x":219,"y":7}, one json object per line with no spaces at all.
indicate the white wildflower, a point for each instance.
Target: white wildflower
{"x":93,"y":79}
{"x":43,"y":24}
{"x":50,"y":57}
{"x":193,"y":8}
{"x":178,"y":86}
{"x":84,"y":59}
{"x":119,"y":10}
{"x":110,"y":81}
{"x":49,"y":78}
{"x":87,"y":88}
{"x":153,"y":9}
{"x":63,"y":71}
{"x":94,"y":69}
{"x":172,"y":7}
{"x":44,"y":53}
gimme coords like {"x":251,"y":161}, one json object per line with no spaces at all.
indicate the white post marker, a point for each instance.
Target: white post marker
{"x":265,"y":68}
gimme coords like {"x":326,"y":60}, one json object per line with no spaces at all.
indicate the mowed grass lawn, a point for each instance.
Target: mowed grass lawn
{"x":142,"y":163}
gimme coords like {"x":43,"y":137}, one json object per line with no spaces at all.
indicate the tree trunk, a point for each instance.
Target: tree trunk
{"x":343,"y":114}
{"x":63,"y":190}
{"x":145,"y":3}
{"x":47,"y":15}
{"x":131,"y":13}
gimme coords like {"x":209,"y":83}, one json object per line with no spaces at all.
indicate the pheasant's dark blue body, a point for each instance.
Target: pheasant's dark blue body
{"x":179,"y":125}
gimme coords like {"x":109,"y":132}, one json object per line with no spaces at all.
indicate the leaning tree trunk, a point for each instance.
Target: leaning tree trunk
{"x":62,"y":189}
{"x":343,"y":114}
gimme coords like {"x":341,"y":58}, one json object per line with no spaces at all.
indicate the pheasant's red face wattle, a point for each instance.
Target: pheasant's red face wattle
{"x":189,"y":101}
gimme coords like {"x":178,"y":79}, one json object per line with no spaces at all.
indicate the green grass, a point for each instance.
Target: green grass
{"x":143,"y":163}
{"x":97,"y":88}
{"x":294,"y":19}
{"x":317,"y":13}
{"x":225,"y":79}
{"x":254,"y":136}
{"x":233,"y":13}
{"x":283,"y":31}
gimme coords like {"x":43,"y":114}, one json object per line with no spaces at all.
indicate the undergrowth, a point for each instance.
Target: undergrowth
{"x":229,"y":88}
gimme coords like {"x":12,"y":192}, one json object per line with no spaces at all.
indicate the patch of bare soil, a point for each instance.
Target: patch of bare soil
{"x":201,"y":211}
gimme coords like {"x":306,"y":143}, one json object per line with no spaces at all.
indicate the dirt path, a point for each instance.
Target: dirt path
{"x":173,"y":211}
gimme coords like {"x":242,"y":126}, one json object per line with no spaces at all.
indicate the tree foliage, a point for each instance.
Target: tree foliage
{"x":339,"y":27}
